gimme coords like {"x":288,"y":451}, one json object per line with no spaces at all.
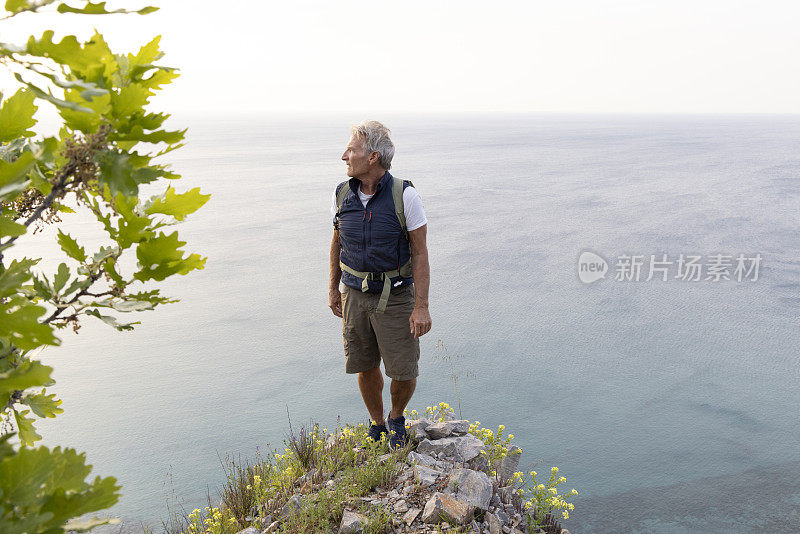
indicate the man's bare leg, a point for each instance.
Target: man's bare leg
{"x":401,"y":391}
{"x":370,"y":383}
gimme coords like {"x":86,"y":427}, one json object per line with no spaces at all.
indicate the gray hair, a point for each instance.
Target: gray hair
{"x":376,"y":139}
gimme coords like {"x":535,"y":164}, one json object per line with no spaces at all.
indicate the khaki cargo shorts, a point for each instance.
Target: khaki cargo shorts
{"x":370,"y":336}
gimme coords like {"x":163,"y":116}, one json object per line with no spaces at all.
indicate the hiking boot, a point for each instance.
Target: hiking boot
{"x":397,"y":432}
{"x":375,"y":432}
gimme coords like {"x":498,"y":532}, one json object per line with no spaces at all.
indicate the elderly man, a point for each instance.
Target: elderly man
{"x":379,"y":252}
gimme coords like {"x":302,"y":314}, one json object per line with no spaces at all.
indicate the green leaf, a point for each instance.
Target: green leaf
{"x":59,"y":103}
{"x":147,"y":54}
{"x":28,"y":374}
{"x":14,"y":176}
{"x":85,"y":525}
{"x":131,"y":305}
{"x":16,"y":116}
{"x":15,"y":6}
{"x":19,"y":324}
{"x":27,"y":434}
{"x":61,"y":277}
{"x":42,"y":288}
{"x":121,"y":176}
{"x":99,"y":8}
{"x":70,"y":247}
{"x":177,"y":205}
{"x":63,"y":209}
{"x":152,"y":297}
{"x":66,"y":52}
{"x":14,"y":275}
{"x":104,"y":252}
{"x":18,"y":6}
{"x":112,"y":321}
{"x":50,"y":486}
{"x":76,"y":285}
{"x":90,"y":62}
{"x":42,"y":404}
{"x":10,"y":228}
{"x":161,"y":257}
{"x":161,"y":76}
{"x":100,"y":495}
{"x":132,"y":228}
{"x":83,"y":121}
{"x":130,"y":99}
{"x":110,"y":267}
{"x":136,"y":133}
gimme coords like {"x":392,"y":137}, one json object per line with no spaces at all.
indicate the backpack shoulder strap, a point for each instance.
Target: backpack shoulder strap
{"x":397,"y":196}
{"x":341,"y":192}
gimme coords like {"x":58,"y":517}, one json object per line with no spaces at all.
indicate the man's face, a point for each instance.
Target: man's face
{"x":356,"y":158}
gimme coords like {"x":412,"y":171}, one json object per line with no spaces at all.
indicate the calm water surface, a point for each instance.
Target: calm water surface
{"x":671,"y":406}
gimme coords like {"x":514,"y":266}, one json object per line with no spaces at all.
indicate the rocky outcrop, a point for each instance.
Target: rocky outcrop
{"x":444,"y":483}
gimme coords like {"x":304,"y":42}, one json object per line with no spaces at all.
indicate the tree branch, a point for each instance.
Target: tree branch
{"x":58,"y":187}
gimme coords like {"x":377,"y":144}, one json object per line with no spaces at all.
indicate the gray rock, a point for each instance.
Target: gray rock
{"x":440,"y":430}
{"x":352,"y":523}
{"x":479,"y":463}
{"x":495,"y":526}
{"x":443,"y":508}
{"x":461,"y":448}
{"x":411,"y":515}
{"x":446,"y":446}
{"x":308,"y":477}
{"x":422,"y":459}
{"x":272,"y":528}
{"x":293,"y":505}
{"x":510,"y":463}
{"x":472,"y":487}
{"x":400,"y":506}
{"x":461,"y":426}
{"x":502,"y":516}
{"x":425,"y":475}
{"x":417,"y":428}
{"x":508,"y":494}
{"x":250,"y":530}
{"x":266,"y":520}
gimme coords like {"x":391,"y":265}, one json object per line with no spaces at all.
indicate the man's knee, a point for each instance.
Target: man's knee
{"x":374,"y":372}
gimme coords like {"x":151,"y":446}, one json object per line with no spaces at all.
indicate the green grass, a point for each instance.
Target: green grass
{"x":347,"y":457}
{"x":346,"y":465}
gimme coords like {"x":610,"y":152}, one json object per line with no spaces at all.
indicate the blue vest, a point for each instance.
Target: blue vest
{"x":371,"y":238}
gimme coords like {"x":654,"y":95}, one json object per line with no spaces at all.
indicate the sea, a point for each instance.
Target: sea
{"x":621,"y":292}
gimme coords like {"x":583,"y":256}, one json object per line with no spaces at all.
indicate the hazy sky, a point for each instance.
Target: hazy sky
{"x":414,"y":56}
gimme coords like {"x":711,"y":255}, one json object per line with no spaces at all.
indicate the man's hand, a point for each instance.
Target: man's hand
{"x":420,"y":321}
{"x":335,"y":301}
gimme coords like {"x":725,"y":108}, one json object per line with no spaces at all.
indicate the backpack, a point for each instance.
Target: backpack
{"x":397,"y":196}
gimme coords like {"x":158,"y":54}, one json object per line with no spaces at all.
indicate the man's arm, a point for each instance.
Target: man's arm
{"x":420,"y":320}
{"x":334,"y":295}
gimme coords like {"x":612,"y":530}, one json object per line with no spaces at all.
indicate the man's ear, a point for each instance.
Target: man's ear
{"x":377,"y":157}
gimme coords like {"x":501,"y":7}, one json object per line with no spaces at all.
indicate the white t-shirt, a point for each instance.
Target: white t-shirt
{"x":412,"y":206}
